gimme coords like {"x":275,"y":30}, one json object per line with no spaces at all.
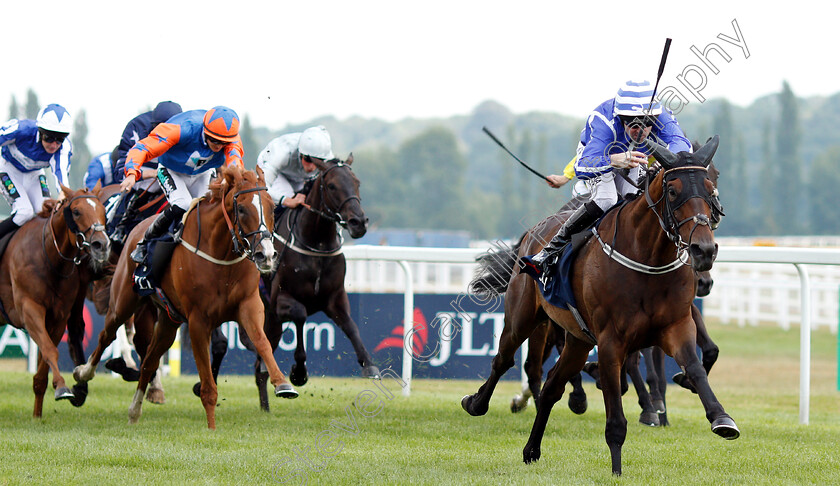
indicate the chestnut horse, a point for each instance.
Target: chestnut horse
{"x":40,"y":272}
{"x":311,"y":270}
{"x":208,"y":281}
{"x":631,"y":293}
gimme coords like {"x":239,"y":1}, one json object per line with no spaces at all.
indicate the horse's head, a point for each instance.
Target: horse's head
{"x":686,"y":194}
{"x":246,"y":199}
{"x":84,"y":219}
{"x":338,"y":193}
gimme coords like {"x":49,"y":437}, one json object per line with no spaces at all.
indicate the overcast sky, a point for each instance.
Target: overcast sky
{"x":287,"y":62}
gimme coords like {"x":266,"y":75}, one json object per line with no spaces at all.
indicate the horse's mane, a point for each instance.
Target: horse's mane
{"x":226,"y":179}
{"x":47,"y":208}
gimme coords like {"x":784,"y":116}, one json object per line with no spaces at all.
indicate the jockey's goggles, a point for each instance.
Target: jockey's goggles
{"x":53,"y":137}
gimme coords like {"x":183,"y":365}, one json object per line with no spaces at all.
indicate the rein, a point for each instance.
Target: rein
{"x":668,"y":223}
{"x":243,"y":248}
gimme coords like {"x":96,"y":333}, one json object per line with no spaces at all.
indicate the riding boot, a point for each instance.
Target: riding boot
{"x":7,"y":226}
{"x":580,"y":220}
{"x":157,"y":229}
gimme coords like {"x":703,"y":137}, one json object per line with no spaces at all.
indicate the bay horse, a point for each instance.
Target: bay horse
{"x":312,"y":267}
{"x":208,"y":281}
{"x":40,"y":274}
{"x":631,"y":293}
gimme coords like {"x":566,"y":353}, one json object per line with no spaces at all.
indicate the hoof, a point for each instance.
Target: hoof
{"x":298,"y":376}
{"x":659,"y":405}
{"x":530,"y":454}
{"x":156,"y":396}
{"x":578,"y":405}
{"x":118,"y":366}
{"x":371,"y":372}
{"x":649,"y":418}
{"x":466,"y":404}
{"x":63,"y":393}
{"x":197,"y":389}
{"x":726,"y":428}
{"x":517,"y":404}
{"x":80,"y":392}
{"x":285,"y":391}
{"x":682,"y":380}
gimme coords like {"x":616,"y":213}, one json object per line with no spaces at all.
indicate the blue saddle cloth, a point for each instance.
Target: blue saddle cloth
{"x":558,"y":291}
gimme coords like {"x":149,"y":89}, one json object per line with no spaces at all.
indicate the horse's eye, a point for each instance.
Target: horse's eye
{"x":76,"y":213}
{"x":672,"y":193}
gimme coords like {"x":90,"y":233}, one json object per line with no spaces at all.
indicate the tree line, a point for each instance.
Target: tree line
{"x":446,"y":174}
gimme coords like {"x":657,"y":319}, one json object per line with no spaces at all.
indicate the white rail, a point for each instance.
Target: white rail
{"x":360,"y":279}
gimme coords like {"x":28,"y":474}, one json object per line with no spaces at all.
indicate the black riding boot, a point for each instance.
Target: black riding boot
{"x":580,"y":220}
{"x":7,"y":226}
{"x":159,"y":226}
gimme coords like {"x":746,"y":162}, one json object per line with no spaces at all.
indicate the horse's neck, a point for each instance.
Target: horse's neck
{"x":313,"y":229}
{"x":208,"y":229}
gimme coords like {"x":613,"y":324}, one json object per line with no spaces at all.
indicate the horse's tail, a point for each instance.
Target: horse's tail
{"x":495,"y":268}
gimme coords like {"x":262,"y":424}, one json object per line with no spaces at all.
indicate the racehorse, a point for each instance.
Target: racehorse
{"x":39,"y":275}
{"x":310,"y":275}
{"x":642,"y":301}
{"x":207,"y":281}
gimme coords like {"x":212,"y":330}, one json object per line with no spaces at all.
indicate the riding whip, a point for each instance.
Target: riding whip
{"x":511,"y":153}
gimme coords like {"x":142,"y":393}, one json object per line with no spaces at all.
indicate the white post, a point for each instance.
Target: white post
{"x":804,"y":345}
{"x":32,"y":356}
{"x":408,"y":327}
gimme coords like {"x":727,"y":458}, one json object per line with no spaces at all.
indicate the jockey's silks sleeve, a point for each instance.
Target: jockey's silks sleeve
{"x":161,"y":139}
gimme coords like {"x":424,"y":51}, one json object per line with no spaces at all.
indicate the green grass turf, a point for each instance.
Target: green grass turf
{"x":427,"y":438}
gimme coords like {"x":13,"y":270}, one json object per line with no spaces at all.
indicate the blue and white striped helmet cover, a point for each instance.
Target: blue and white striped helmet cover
{"x":634,"y":99}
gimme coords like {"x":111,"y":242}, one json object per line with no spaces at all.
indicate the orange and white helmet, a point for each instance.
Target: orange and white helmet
{"x":221,"y":123}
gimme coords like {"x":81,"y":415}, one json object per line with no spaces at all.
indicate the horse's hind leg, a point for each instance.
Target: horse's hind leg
{"x":39,"y":386}
{"x":76,"y":347}
{"x":164,"y":336}
{"x":648,"y":415}
{"x":683,"y":347}
{"x":520,"y":321}
{"x":144,"y":330}
{"x":577,"y":398}
{"x":571,"y":361}
{"x":339,"y":311}
{"x":537,"y":344}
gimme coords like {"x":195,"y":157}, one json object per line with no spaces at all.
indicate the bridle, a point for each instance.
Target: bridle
{"x":323,"y":210}
{"x":82,"y":238}
{"x":241,"y":243}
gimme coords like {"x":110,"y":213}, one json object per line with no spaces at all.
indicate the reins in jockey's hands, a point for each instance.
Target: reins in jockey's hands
{"x":628,"y":160}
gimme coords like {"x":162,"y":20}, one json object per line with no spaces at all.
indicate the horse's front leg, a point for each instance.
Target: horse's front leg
{"x":338,"y":309}
{"x":571,"y":361}
{"x":33,"y":316}
{"x":252,"y":319}
{"x":162,"y":339}
{"x":611,"y":356}
{"x":682,"y":345}
{"x":76,"y":347}
{"x":289,"y":309}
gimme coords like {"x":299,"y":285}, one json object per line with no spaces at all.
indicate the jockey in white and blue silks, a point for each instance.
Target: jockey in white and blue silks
{"x":101,"y":170}
{"x":613,"y":138}
{"x":187,"y":147}
{"x":28,"y":147}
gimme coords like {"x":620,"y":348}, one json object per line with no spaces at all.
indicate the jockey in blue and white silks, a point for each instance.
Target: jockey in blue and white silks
{"x":28,"y":147}
{"x":613,"y":138}
{"x":101,"y":170}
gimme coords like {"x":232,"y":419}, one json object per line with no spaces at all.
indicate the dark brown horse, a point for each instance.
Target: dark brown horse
{"x":632,"y":292}
{"x":208,"y":280}
{"x":310,"y":275}
{"x":40,"y":273}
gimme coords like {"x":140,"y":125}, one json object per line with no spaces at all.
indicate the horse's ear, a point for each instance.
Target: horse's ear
{"x":706,"y":152}
{"x":260,"y":175}
{"x":322,"y":166}
{"x":661,"y":153}
{"x":98,"y":187}
{"x":349,"y":160}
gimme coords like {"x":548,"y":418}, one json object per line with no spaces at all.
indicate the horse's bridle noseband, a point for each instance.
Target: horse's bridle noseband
{"x":241,"y":243}
{"x":81,"y":240}
{"x":667,"y":218}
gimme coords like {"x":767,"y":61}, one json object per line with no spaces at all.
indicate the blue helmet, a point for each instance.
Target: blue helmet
{"x":633,"y":99}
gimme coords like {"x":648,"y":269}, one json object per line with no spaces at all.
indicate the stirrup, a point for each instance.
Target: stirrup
{"x":139,"y":253}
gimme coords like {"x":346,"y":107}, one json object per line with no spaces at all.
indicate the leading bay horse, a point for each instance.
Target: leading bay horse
{"x":212,"y":277}
{"x":40,"y":273}
{"x":631,"y":293}
{"x":312,"y":267}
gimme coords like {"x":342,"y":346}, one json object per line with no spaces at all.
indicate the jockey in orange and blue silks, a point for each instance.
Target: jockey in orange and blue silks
{"x":187,"y":147}
{"x":28,"y":147}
